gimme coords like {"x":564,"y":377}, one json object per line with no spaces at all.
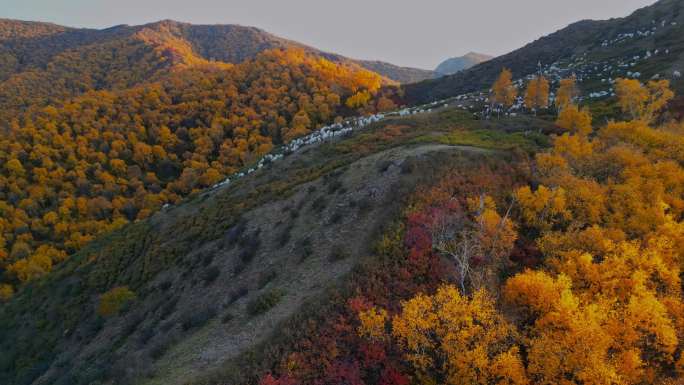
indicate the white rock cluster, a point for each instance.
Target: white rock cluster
{"x":324,"y":134}
{"x":641,"y":32}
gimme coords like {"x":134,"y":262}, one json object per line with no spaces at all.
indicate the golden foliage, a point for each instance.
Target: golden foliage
{"x":537,"y":93}
{"x":76,"y":169}
{"x":542,"y":208}
{"x":504,"y":91}
{"x":114,"y":300}
{"x":575,"y":120}
{"x":592,"y":331}
{"x":358,"y":100}
{"x":567,"y":93}
{"x":608,"y":307}
{"x":459,"y":339}
{"x":642,"y":102}
{"x":6,"y":292}
{"x":373,"y":324}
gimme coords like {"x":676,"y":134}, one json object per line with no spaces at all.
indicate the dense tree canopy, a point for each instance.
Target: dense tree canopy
{"x":78,"y":168}
{"x":605,"y":305}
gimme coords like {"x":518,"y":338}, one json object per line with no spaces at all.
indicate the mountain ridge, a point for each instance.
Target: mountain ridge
{"x":459,"y":63}
{"x":204,"y":38}
{"x":567,"y":45}
{"x":42,"y":64}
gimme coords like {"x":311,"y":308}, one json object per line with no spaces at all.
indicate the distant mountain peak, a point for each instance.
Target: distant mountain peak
{"x":460,"y":63}
{"x":477,"y":55}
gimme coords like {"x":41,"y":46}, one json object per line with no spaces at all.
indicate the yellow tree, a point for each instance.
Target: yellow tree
{"x":537,"y":93}
{"x":607,"y":307}
{"x":6,"y":291}
{"x":567,"y":93}
{"x":358,"y":100}
{"x":300,"y":126}
{"x":570,"y":343}
{"x":659,"y":95}
{"x":504,"y":91}
{"x":451,"y":339}
{"x":575,"y":120}
{"x":602,"y":320}
{"x":632,"y":97}
{"x":642,"y":102}
{"x":542,"y":208}
{"x":15,"y":167}
{"x":114,"y":300}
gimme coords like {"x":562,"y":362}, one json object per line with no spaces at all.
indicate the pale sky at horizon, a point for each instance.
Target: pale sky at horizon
{"x":416,"y":34}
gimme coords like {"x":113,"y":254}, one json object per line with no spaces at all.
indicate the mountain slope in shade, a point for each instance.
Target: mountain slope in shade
{"x":647,"y":43}
{"x":455,"y":64}
{"x":43,"y":62}
{"x":404,"y":75}
{"x":236,"y":43}
{"x":19,"y":41}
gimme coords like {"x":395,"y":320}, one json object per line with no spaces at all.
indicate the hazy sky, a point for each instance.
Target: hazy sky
{"x":418,"y":33}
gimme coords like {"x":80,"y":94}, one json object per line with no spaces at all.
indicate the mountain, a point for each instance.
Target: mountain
{"x":42,"y":62}
{"x":460,"y":63}
{"x":120,"y":155}
{"x":220,"y":280}
{"x":646,"y":43}
{"x":403,"y":75}
{"x":104,"y":128}
{"x":176,"y":212}
{"x":33,"y":45}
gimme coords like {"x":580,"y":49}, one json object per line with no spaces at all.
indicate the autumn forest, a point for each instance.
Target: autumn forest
{"x":192,"y":205}
{"x":75,"y":170}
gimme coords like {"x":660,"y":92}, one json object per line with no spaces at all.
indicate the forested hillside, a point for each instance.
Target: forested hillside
{"x":42,"y":63}
{"x":570,"y":274}
{"x":477,"y":262}
{"x":175,"y":296}
{"x":213,"y":205}
{"x":84,"y":166}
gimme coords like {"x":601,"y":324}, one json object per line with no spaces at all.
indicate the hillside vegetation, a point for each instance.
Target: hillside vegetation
{"x":42,"y":63}
{"x":572,"y":276}
{"x":192,"y":288}
{"x":73,"y":170}
{"x":646,"y":43}
{"x":528,"y":229}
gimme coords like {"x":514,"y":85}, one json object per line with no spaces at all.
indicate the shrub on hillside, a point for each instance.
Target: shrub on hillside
{"x":115,"y":300}
{"x":305,"y":248}
{"x":318,"y":204}
{"x":195,"y":319}
{"x":266,"y":278}
{"x":265,"y":302}
{"x":338,"y":253}
{"x":211,"y":274}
